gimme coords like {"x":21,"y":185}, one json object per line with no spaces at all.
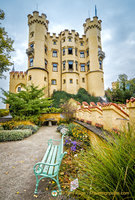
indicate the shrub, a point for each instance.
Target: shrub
{"x":3,"y":112}
{"x":60,"y":127}
{"x":1,"y":128}
{"x":31,"y":127}
{"x":109,"y":169}
{"x":11,"y":124}
{"x":14,"y":135}
{"x":52,"y":110}
{"x":63,"y":121}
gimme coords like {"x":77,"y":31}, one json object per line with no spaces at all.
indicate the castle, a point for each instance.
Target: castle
{"x":65,"y":62}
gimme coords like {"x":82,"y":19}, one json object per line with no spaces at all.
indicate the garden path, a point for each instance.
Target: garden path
{"x":16,"y":166}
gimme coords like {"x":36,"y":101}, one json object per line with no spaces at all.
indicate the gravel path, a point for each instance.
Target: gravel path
{"x":17,"y":179}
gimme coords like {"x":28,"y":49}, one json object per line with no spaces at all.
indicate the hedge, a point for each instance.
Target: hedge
{"x":14,"y":135}
{"x":34,"y":128}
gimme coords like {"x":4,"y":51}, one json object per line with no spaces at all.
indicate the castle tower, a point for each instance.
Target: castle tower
{"x":37,"y":51}
{"x":95,"y":80}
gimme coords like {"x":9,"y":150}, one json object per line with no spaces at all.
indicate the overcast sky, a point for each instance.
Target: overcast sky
{"x":118,"y":30}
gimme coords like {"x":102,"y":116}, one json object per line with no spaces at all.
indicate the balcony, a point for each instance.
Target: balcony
{"x":101,"y":54}
{"x":29,"y":51}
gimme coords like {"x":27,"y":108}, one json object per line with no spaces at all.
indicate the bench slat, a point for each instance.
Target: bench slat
{"x":48,"y":160}
{"x":46,"y":154}
{"x":57,"y":159}
{"x":50,"y":172}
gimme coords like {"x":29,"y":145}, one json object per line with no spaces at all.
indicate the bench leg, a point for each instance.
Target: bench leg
{"x":37,"y":183}
{"x":58,"y":185}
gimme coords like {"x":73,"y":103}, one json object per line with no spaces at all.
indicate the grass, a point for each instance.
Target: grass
{"x":104,"y":172}
{"x":109,"y":172}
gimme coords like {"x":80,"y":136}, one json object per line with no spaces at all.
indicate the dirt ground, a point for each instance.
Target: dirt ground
{"x":17,"y":179}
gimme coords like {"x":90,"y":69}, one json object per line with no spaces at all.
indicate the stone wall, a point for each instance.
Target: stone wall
{"x":110,"y":116}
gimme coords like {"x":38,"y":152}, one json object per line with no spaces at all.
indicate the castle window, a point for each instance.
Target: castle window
{"x":55,"y":69}
{"x":70,"y":51}
{"x":81,"y":43}
{"x":100,"y":64}
{"x":19,"y":89}
{"x":31,"y":34}
{"x":29,"y":78}
{"x":71,"y":81}
{"x":77,"y":81}
{"x":83,"y":80}
{"x":88,"y":66}
{"x":45,"y":64}
{"x":76,"y":51}
{"x":45,"y":50}
{"x":31,"y":62}
{"x":53,"y":81}
{"x":54,"y":53}
{"x":64,"y":81}
{"x":44,"y":78}
{"x":32,"y":46}
{"x":87,"y":52}
{"x":81,"y":54}
{"x":54,"y":42}
{"x":76,"y":64}
{"x":64,"y":65}
{"x":70,"y":65}
{"x":69,"y":39}
{"x":82,"y":67}
{"x":63,"y":39}
{"x":63,"y":51}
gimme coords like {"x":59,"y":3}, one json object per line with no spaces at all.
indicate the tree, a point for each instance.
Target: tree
{"x":27,"y":104}
{"x":125,"y":89}
{"x":5,"y":48}
{"x":122,"y":81}
{"x":68,"y":109}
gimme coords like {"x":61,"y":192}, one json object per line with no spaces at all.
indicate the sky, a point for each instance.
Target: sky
{"x":118,"y":30}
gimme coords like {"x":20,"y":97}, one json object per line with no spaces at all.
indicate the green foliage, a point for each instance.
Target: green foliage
{"x":52,"y":110}
{"x":27,"y":104}
{"x":63,"y":121}
{"x":108,"y":169}
{"x":60,"y":97}
{"x":5,"y":48}
{"x":31,"y":127}
{"x":1,"y":127}
{"x":12,"y":124}
{"x":14,"y":135}
{"x":125,"y":89}
{"x":3,"y":112}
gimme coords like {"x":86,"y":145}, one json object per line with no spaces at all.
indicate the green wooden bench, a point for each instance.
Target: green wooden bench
{"x":50,"y":165}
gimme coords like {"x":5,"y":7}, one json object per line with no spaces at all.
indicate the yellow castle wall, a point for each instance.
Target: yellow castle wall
{"x":41,"y":75}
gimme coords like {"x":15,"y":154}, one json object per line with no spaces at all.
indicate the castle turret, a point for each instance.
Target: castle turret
{"x":95,"y":80}
{"x":37,"y":51}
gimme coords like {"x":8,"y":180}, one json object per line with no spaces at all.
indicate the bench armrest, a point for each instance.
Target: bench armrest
{"x":51,"y":141}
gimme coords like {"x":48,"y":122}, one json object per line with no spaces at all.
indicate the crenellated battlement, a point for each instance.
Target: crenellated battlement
{"x":18,"y":75}
{"x":36,"y":18}
{"x":89,"y":24}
